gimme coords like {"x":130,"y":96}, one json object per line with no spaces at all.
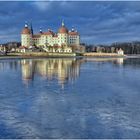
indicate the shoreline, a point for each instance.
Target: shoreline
{"x":63,"y":55}
{"x":33,"y":57}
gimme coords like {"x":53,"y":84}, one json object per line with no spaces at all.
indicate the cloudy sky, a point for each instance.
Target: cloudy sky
{"x":97,"y":22}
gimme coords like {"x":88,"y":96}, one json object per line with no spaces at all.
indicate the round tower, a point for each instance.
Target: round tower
{"x":26,"y":36}
{"x":63,"y":35}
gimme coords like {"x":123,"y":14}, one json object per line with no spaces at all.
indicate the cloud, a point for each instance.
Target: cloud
{"x":43,"y":5}
{"x":96,"y":21}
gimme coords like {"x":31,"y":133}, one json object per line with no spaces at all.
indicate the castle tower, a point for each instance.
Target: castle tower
{"x":63,"y":35}
{"x":26,"y":36}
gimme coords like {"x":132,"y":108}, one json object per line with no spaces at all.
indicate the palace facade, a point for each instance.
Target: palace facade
{"x":63,"y":38}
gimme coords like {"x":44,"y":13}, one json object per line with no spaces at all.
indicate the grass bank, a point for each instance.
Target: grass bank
{"x":42,"y":54}
{"x":58,"y":55}
{"x":102,"y":55}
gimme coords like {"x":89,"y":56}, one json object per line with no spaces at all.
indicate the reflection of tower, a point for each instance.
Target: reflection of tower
{"x":50,"y":69}
{"x":27,"y":70}
{"x":41,"y":68}
{"x":74,"y":70}
{"x":61,"y":71}
{"x":64,"y":66}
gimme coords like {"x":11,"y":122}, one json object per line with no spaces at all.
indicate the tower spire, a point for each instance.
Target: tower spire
{"x":72,"y":29}
{"x":31,"y":28}
{"x":40,"y":30}
{"x":26,"y":24}
{"x":63,"y":23}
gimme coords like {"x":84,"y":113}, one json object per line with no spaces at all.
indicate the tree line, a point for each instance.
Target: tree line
{"x":127,"y":47}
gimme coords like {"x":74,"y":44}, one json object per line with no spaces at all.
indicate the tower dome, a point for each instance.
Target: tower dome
{"x":63,"y":29}
{"x":26,"y":30}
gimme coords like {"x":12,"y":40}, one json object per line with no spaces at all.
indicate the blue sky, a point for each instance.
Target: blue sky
{"x":97,"y":22}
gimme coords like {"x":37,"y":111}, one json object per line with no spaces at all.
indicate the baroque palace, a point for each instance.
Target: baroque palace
{"x":62,"y":41}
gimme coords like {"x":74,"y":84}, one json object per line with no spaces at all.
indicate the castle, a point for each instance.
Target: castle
{"x":64,"y":38}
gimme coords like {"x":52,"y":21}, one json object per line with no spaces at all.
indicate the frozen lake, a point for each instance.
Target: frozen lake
{"x":70,"y":98}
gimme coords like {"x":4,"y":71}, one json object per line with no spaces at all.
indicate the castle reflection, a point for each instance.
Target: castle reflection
{"x":61,"y":69}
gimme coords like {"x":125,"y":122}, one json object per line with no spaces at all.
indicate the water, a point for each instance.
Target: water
{"x":70,"y":98}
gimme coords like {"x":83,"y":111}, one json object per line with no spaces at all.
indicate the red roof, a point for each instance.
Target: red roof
{"x":36,"y":36}
{"x":73,"y":33}
{"x":22,"y":47}
{"x":55,"y":35}
{"x":48,"y":33}
{"x":26,"y":30}
{"x":62,"y":30}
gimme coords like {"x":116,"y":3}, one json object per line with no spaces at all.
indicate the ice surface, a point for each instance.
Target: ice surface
{"x":70,"y":98}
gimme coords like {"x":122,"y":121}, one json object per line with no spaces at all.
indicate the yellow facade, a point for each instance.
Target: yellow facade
{"x":48,"y":39}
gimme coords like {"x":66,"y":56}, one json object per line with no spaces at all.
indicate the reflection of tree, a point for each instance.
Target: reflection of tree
{"x":133,"y":62}
{"x":12,"y":65}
